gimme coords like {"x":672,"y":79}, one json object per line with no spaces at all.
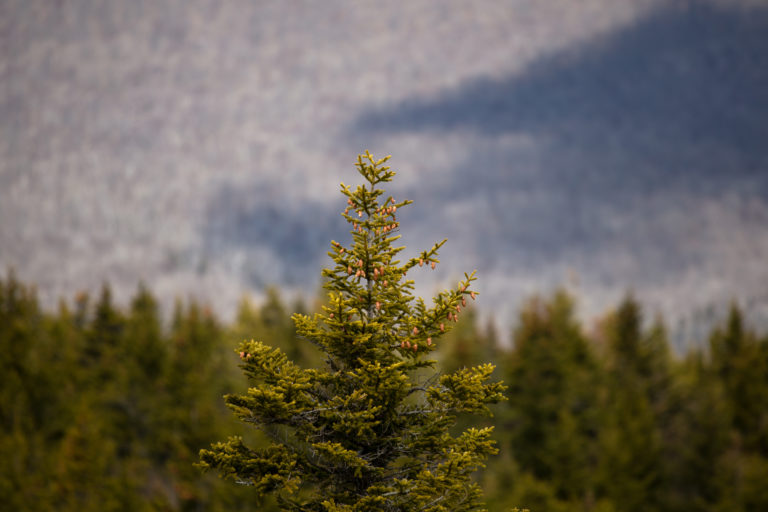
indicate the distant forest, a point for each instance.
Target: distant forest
{"x":106,"y":408}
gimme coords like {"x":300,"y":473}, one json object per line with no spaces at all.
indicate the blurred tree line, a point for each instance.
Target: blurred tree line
{"x":103,"y":408}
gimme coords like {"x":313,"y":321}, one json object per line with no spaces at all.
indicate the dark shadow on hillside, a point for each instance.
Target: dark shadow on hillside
{"x":276,"y":241}
{"x":694,"y":74}
{"x":627,"y":128}
{"x":632,"y":135}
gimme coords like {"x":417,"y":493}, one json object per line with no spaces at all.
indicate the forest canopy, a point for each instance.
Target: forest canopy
{"x":105,"y":407}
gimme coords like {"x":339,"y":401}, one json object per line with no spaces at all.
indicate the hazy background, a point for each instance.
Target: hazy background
{"x":198,"y":145}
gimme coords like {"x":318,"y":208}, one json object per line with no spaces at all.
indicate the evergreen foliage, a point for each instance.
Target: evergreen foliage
{"x":365,"y":432}
{"x":630,"y":441}
{"x":553,"y":405}
{"x":96,"y":411}
{"x":102,"y":407}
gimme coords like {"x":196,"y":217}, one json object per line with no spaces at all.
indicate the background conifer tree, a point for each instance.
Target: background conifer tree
{"x":366,"y":431}
{"x":631,"y":448}
{"x":551,"y":422}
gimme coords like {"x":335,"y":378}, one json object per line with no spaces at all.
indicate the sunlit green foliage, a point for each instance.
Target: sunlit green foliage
{"x":366,"y":430}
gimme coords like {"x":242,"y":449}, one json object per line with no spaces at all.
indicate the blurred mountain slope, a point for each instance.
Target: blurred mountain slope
{"x":638,"y":159}
{"x":199,"y":145}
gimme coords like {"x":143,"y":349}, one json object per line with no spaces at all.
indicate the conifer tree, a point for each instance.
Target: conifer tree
{"x":366,"y":431}
{"x":631,"y":462}
{"x":552,"y":417}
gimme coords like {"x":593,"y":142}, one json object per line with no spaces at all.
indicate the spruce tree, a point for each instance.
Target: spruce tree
{"x":552,"y":417}
{"x":631,"y":456}
{"x":367,"y":430}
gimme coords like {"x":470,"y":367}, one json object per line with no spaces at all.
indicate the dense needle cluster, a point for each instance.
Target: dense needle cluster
{"x":367,"y":431}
